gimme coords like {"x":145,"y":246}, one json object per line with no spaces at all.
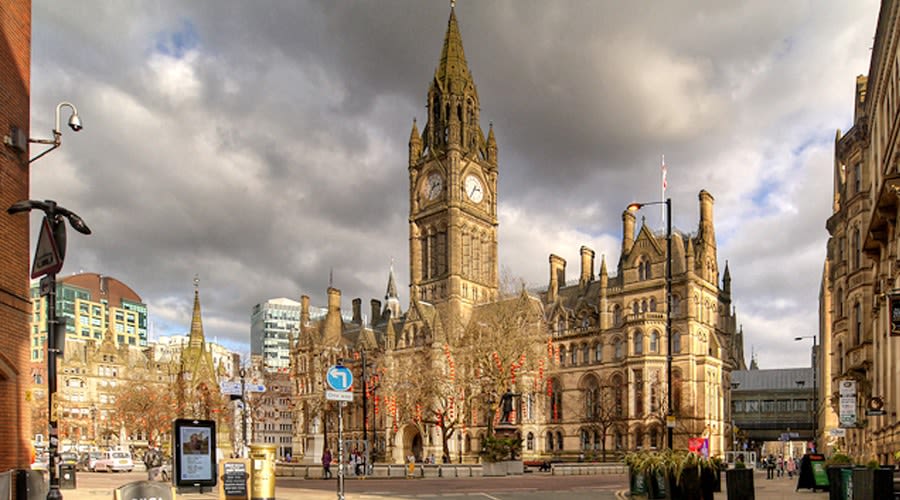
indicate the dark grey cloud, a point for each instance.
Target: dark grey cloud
{"x":263,"y":144}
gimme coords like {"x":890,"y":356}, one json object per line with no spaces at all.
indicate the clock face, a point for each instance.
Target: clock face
{"x":473,"y":189}
{"x":433,"y":186}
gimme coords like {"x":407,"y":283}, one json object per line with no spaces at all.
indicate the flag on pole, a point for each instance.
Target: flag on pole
{"x":664,"y":171}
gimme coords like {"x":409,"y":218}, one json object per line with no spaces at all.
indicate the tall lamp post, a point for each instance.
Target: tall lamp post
{"x":734,"y":443}
{"x":815,"y":355}
{"x":49,"y":259}
{"x":670,"y":414}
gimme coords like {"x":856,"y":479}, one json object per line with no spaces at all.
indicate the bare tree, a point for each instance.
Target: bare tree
{"x":604,"y":411}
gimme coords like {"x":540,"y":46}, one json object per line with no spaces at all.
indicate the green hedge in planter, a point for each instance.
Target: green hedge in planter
{"x":681,"y":473}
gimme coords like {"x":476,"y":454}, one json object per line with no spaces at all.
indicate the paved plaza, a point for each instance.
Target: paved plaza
{"x":535,"y":486}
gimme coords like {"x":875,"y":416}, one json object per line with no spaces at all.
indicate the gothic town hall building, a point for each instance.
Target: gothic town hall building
{"x":604,"y":334}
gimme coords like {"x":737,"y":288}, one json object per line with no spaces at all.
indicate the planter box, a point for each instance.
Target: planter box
{"x":836,"y":486}
{"x":505,"y":468}
{"x":739,"y":484}
{"x":873,"y":484}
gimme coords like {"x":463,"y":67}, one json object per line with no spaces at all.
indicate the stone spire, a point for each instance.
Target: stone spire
{"x":453,"y":71}
{"x":391,"y":298}
{"x":415,"y":144}
{"x":491,"y":146}
{"x":453,"y":109}
{"x":197,"y":339}
{"x":726,"y":280}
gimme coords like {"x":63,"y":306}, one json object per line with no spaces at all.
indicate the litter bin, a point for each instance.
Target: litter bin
{"x":262,"y":475}
{"x":67,"y":476}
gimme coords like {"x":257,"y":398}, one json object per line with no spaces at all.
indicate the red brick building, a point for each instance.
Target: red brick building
{"x":15,"y":304}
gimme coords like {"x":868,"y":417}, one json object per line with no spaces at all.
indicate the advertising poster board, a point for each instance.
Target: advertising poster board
{"x":235,"y":475}
{"x":195,"y":452}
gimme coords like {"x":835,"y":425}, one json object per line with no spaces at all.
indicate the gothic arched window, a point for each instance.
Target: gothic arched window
{"x":654,"y":342}
{"x":638,"y":343}
{"x":676,"y":343}
{"x":555,"y":400}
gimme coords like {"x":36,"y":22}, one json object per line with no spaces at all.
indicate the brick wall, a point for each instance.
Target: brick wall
{"x":15,"y":306}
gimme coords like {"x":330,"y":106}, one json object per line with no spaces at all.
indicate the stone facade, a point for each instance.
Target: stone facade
{"x":591,"y":361}
{"x":861,"y":271}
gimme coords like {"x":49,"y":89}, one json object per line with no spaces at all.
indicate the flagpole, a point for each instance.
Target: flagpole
{"x":662,"y":185}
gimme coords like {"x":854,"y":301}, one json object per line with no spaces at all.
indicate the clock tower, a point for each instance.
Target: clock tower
{"x":453,"y":192}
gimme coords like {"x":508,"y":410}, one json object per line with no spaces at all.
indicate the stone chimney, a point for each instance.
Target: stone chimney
{"x":587,"y":266}
{"x":304,"y":310}
{"x":627,"y":232}
{"x":557,"y":277}
{"x":357,"y":311}
{"x":375,"y":307}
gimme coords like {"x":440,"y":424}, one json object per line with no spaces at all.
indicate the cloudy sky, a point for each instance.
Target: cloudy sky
{"x":261,"y":144}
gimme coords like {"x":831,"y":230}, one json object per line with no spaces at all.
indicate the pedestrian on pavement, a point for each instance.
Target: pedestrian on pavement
{"x":326,"y":464}
{"x":153,"y":462}
{"x":791,"y":466}
{"x":770,"y":467}
{"x":780,"y":466}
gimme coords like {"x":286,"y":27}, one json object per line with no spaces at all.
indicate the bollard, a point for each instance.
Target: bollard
{"x":262,"y":477}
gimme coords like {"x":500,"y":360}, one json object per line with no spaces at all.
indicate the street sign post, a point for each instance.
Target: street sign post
{"x":340,"y":378}
{"x":339,"y":396}
{"x":231,"y":388}
{"x":47,"y":258}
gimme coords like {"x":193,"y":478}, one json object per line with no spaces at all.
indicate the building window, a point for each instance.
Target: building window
{"x":617,"y":315}
{"x":676,"y":343}
{"x":549,"y":441}
{"x":573,"y":354}
{"x":562,"y":355}
{"x":638,"y":343}
{"x":654,"y":342}
{"x":857,"y":325}
{"x":598,"y":352}
{"x":529,"y":441}
{"x":839,"y":303}
{"x":840,"y":356}
{"x":857,"y":177}
{"x":585,"y":354}
{"x":619,"y":354}
{"x":618,"y":395}
{"x":676,"y":305}
{"x":856,"y":249}
{"x":638,"y":392}
{"x":556,"y":410}
{"x":591,"y":399}
{"x":559,"y":440}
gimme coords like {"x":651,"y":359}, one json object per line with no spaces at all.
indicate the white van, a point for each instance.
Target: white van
{"x":114,"y":461}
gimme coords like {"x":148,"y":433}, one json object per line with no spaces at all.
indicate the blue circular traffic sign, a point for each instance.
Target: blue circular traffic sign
{"x":340,"y":378}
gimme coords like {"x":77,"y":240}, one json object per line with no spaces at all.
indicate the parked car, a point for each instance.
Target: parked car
{"x":88,"y":460}
{"x":115,"y":461}
{"x":41,"y":462}
{"x":68,"y":458}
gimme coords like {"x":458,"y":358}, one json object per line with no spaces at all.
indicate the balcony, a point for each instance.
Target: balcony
{"x":860,"y":357}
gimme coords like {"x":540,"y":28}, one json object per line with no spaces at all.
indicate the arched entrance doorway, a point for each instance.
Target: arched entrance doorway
{"x":411,"y":443}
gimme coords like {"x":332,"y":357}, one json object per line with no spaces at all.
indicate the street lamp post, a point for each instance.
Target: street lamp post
{"x":734,"y":443}
{"x":815,"y":419}
{"x":54,"y":230}
{"x":670,"y":414}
